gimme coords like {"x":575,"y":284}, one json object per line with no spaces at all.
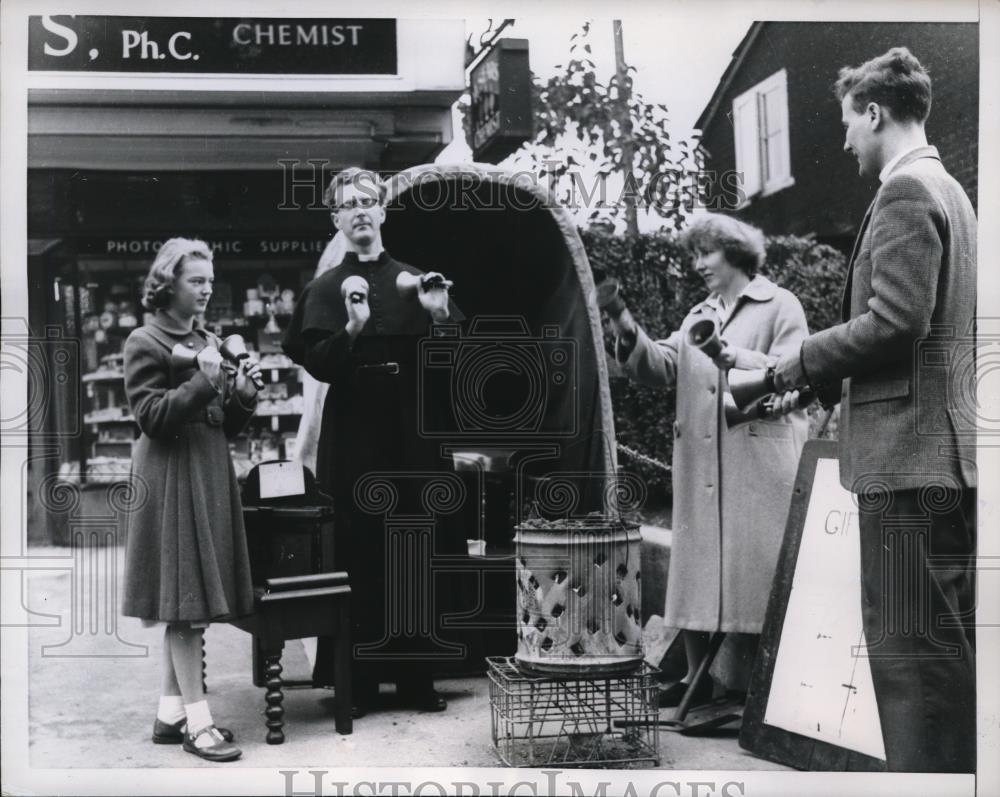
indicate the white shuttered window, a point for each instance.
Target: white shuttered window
{"x":760,"y":122}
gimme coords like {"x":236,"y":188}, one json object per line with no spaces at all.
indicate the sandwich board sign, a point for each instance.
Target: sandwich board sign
{"x":811,"y":703}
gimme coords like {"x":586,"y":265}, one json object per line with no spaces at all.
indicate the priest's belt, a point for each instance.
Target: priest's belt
{"x":378,"y":368}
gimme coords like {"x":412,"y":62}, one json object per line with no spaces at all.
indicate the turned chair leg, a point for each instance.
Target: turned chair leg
{"x":204,"y":667}
{"x":274,"y":712}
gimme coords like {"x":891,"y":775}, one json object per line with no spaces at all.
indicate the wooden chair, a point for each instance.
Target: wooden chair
{"x":296,"y":592}
{"x":292,"y":608}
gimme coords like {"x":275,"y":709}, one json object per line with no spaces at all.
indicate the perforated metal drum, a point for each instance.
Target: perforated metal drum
{"x":578,"y":596}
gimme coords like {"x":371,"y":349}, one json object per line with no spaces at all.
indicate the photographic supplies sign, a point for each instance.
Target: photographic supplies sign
{"x":244,"y":247}
{"x":196,"y":45}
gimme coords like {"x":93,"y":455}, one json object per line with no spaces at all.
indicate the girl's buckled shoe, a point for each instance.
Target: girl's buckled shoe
{"x":219,"y":750}
{"x":167,"y":733}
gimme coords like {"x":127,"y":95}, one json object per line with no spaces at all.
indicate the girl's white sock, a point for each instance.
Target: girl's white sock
{"x":171,"y":709}
{"x":199,"y":718}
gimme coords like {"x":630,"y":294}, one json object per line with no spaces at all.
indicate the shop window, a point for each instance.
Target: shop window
{"x":760,"y":123}
{"x":100,"y":297}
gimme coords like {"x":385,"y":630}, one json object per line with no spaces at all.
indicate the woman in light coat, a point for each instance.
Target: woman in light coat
{"x":732,"y":486}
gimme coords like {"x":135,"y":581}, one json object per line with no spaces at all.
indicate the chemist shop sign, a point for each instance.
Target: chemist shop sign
{"x":204,"y":45}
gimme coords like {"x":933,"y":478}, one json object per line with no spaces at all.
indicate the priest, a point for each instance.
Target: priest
{"x":358,"y":328}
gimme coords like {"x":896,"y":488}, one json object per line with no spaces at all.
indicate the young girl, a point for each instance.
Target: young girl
{"x":186,"y":560}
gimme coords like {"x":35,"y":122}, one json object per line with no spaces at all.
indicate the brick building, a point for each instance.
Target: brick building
{"x":773,"y":117}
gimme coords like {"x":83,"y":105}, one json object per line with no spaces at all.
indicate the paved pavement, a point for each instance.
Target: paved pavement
{"x":94,"y":682}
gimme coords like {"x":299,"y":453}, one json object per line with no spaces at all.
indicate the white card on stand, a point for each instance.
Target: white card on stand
{"x":280,"y":479}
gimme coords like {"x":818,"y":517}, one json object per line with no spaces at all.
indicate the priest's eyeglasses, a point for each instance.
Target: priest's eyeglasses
{"x":355,"y":203}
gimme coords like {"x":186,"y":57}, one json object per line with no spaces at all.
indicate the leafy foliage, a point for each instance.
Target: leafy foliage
{"x":581,"y":147}
{"x":660,"y":288}
{"x":576,"y":103}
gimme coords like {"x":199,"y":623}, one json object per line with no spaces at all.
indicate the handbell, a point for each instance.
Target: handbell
{"x":704,"y":335}
{"x":183,"y":356}
{"x":761,"y":410}
{"x":737,"y":417}
{"x":749,"y":386}
{"x":407,"y":283}
{"x":356,"y":287}
{"x":234,"y":350}
{"x":608,"y":297}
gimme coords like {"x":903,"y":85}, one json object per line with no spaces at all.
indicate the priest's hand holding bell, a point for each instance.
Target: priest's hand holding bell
{"x":431,"y":289}
{"x":354,"y":289}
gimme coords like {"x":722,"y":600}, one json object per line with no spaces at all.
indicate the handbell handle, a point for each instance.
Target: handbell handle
{"x":234,"y":350}
{"x":356,"y":288}
{"x":408,"y":284}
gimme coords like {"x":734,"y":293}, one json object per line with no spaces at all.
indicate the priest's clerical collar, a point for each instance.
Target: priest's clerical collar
{"x":368,"y":260}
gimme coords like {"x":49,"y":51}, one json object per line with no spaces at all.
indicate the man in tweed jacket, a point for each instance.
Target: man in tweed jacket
{"x":903,"y":365}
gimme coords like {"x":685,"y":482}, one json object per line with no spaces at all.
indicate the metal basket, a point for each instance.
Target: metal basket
{"x":577,"y":721}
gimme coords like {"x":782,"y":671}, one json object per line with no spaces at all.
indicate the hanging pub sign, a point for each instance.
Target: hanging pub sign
{"x":501,"y":114}
{"x":204,"y":45}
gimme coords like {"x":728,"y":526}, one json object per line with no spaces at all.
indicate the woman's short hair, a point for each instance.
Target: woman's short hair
{"x":167,"y":267}
{"x":741,"y":243}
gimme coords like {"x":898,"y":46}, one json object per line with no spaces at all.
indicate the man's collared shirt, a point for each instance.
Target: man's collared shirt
{"x":887,"y":169}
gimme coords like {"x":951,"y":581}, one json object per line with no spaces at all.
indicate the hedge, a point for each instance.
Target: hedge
{"x":660,"y":288}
